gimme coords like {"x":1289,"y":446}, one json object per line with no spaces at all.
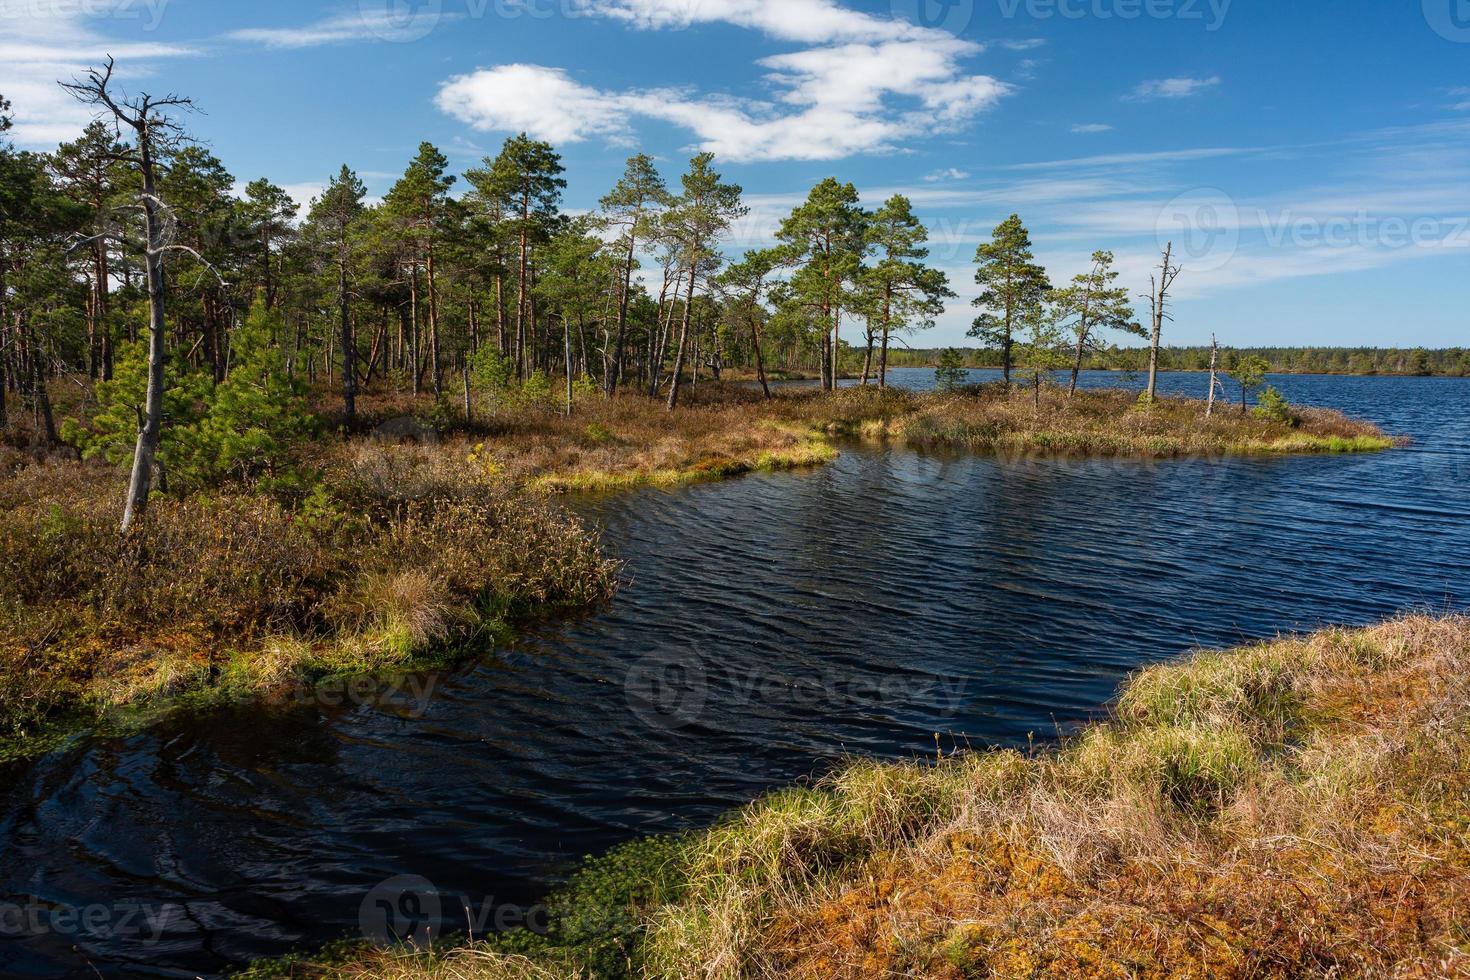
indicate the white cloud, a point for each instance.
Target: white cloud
{"x":802,"y":21}
{"x":1173,"y":88}
{"x":366,"y":24}
{"x":543,"y":101}
{"x":952,"y":173}
{"x":1090,"y":128}
{"x":1123,"y":159}
{"x":871,"y":84}
{"x":42,"y":45}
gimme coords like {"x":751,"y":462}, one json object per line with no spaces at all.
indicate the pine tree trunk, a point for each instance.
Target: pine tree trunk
{"x":349,"y":345}
{"x":683,"y":336}
{"x":615,"y":375}
{"x":436,"y":372}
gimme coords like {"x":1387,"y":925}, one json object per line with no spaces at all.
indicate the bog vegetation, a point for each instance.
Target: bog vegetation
{"x":204,"y":397}
{"x":1298,"y":807}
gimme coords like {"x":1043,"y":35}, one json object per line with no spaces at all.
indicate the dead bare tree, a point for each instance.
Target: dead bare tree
{"x":153,"y":131}
{"x":1215,"y":384}
{"x":1158,"y":298}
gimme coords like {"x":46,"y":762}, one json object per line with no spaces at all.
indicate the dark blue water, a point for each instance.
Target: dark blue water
{"x":771,"y":627}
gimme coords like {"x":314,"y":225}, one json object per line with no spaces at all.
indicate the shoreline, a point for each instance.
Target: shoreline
{"x":400,"y":620}
{"x":1260,"y":809}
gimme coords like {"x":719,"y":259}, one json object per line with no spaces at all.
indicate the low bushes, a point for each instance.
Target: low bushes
{"x":386,"y":560}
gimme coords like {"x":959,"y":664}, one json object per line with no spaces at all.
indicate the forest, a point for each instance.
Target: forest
{"x":481,"y":279}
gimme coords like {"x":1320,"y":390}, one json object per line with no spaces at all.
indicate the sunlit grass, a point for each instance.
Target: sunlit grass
{"x":1294,"y":808}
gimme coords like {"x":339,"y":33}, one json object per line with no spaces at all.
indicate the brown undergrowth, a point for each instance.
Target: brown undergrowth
{"x":729,"y":429}
{"x":385,"y":561}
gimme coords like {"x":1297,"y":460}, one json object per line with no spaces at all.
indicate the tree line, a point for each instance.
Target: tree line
{"x":127,"y":257}
{"x":1453,"y":362}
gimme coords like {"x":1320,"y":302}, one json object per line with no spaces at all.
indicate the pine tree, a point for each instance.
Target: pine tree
{"x":1091,"y":305}
{"x":526,"y":181}
{"x":418,"y":204}
{"x":331,"y":229}
{"x":632,"y":207}
{"x":826,"y":239}
{"x":1014,"y":288}
{"x":268,"y":214}
{"x":903,"y":294}
{"x":951,"y":374}
{"x":257,"y":413}
{"x":702,"y":214}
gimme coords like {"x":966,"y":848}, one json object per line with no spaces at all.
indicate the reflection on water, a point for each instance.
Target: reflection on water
{"x":771,"y":627}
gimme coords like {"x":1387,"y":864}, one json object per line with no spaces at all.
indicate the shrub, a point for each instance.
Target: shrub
{"x":1274,"y":407}
{"x":951,"y":373}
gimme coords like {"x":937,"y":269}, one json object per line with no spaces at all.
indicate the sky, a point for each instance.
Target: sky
{"x":1309,"y":160}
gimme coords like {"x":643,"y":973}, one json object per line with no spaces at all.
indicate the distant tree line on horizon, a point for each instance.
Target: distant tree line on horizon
{"x":1453,"y":362}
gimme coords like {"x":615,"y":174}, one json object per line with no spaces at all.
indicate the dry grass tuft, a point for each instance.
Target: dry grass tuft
{"x":1299,"y":808}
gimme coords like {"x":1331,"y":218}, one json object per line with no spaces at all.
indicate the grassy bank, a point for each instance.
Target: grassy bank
{"x":728,"y":430}
{"x":1109,"y":423}
{"x":1295,"y":808}
{"x":391,"y":560}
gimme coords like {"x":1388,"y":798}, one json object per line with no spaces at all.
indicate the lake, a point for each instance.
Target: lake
{"x":892,"y":605}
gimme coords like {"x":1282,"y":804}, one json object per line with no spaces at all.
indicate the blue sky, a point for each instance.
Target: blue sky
{"x":1311,"y":159}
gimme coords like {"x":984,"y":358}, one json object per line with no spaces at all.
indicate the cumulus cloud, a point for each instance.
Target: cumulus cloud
{"x":868,"y":84}
{"x":1173,"y":88}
